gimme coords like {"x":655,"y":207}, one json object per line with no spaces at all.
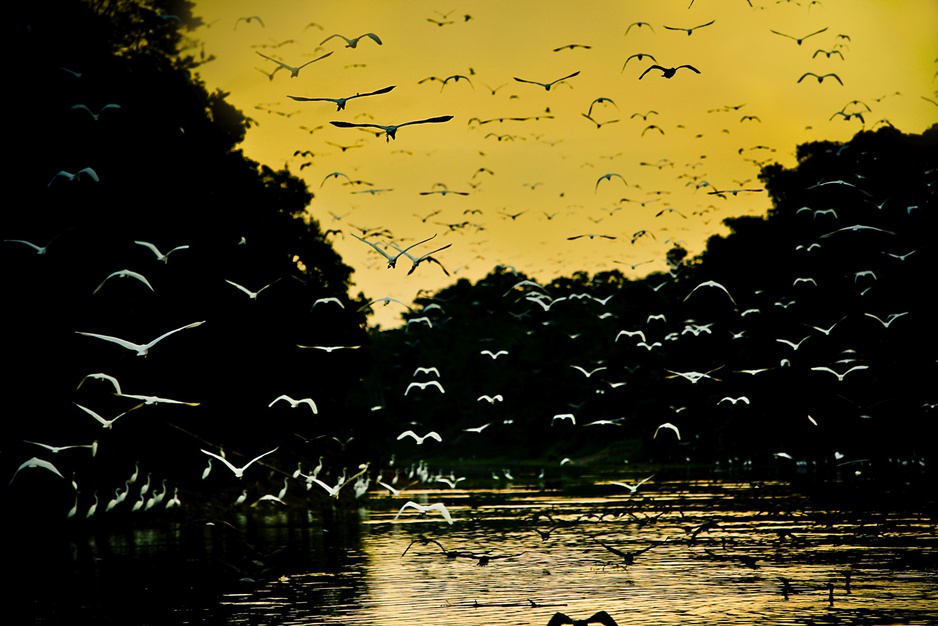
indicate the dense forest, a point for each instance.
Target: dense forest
{"x":805,"y":337}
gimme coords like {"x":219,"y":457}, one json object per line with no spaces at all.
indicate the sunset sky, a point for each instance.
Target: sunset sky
{"x":638,"y":181}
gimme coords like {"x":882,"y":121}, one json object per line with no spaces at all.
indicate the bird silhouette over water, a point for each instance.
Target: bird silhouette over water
{"x":668,"y":72}
{"x":559,"y":619}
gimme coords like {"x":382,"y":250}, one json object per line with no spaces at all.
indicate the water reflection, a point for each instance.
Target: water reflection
{"x":688,"y":552}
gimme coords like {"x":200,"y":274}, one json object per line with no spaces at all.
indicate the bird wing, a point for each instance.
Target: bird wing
{"x":341,"y":124}
{"x":223,"y":460}
{"x":280,"y":63}
{"x":373,"y":37}
{"x":559,"y":619}
{"x":257,"y":458}
{"x":602,"y":618}
{"x":149,"y":245}
{"x":375,"y":246}
{"x":429,"y":120}
{"x":121,"y":342}
{"x":372,"y":93}
{"x":313,"y":61}
{"x":410,"y":504}
{"x":648,"y":69}
{"x":164,"y":335}
{"x":408,"y":433}
{"x":690,"y":67}
{"x":442,"y":509}
{"x":331,"y":37}
{"x":564,"y":78}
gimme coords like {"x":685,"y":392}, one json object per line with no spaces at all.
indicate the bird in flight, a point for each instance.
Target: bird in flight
{"x":415,"y":261}
{"x":425,"y":509}
{"x":141,"y":349}
{"x":159,"y":255}
{"x":632,"y":488}
{"x":546,"y":86}
{"x":94,"y":115}
{"x":559,"y":619}
{"x":639,"y":25}
{"x":690,"y":30}
{"x":392,"y":260}
{"x":639,"y":56}
{"x":251,"y":294}
{"x":340,"y":102}
{"x":668,"y":72}
{"x":352,"y":43}
{"x":608,"y":177}
{"x":295,"y":403}
{"x":820,"y":77}
{"x":430,"y":435}
{"x":390,"y":130}
{"x":424,"y":385}
{"x":239,"y":471}
{"x":107,"y":423}
{"x":84,"y":171}
{"x":294,"y":71}
{"x":711,"y":283}
{"x":798,"y":40}
{"x":668,"y":426}
{"x":124,"y":274}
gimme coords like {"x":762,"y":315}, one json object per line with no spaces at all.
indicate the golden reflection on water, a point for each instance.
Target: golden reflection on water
{"x":719,"y":554}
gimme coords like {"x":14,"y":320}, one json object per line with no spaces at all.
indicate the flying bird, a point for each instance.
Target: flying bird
{"x":156,"y":251}
{"x":798,"y":40}
{"x":390,"y":130}
{"x":668,"y":426}
{"x":426,"y":509}
{"x":608,"y":177}
{"x":37,"y":462}
{"x":430,"y":435}
{"x":639,"y":56}
{"x":107,"y":424}
{"x":415,"y":261}
{"x":820,"y":77}
{"x":352,"y":43}
{"x":85,"y":171}
{"x":294,"y":71}
{"x":340,"y":102}
{"x":711,"y":283}
{"x":546,"y":86}
{"x":295,"y":403}
{"x":840,"y":377}
{"x":639,"y":25}
{"x":632,"y":488}
{"x":239,"y":471}
{"x":251,"y":294}
{"x":424,"y":385}
{"x":141,"y":349}
{"x":691,"y":29}
{"x":392,"y":260}
{"x":124,"y":274}
{"x":94,"y":115}
{"x":493,"y":355}
{"x":668,"y":72}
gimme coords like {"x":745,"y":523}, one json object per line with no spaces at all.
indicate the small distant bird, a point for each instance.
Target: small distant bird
{"x":559,"y":619}
{"x":639,"y":25}
{"x":820,"y":77}
{"x":39,"y":249}
{"x":294,"y":71}
{"x":632,"y":488}
{"x":840,"y":377}
{"x":547,"y":86}
{"x":340,"y":102}
{"x":248,"y":19}
{"x":295,"y":403}
{"x":668,"y":72}
{"x":640,"y":56}
{"x":608,"y":177}
{"x":491,"y":399}
{"x":390,"y":130}
{"x":352,"y":43}
{"x":690,"y":30}
{"x":251,"y":294}
{"x":430,"y":435}
{"x":571,"y":46}
{"x":798,"y":40}
{"x":493,"y":355}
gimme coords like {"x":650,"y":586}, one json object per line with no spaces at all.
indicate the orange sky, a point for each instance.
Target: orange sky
{"x":546,"y":183}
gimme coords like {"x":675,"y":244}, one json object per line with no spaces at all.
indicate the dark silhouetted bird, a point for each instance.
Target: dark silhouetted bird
{"x":559,"y":619}
{"x":668,"y":72}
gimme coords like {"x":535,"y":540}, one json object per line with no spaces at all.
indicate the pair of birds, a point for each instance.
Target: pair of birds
{"x":392,"y":259}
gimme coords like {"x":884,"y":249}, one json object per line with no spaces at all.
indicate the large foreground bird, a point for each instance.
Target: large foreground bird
{"x":559,"y":619}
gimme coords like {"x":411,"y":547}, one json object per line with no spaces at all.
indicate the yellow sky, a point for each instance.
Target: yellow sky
{"x":548,"y":169}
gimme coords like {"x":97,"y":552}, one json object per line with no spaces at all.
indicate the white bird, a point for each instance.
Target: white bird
{"x":631,"y":333}
{"x":141,"y":349}
{"x":93,"y":508}
{"x":477,"y":429}
{"x":491,"y":399}
{"x":430,"y":435}
{"x":156,"y":251}
{"x":711,"y":283}
{"x":251,"y":294}
{"x":239,"y":471}
{"x":427,"y":370}
{"x":295,"y":403}
{"x":94,"y":115}
{"x":242,"y":498}
{"x":743,"y":399}
{"x":125,"y":274}
{"x":840,"y":377}
{"x":669,"y":426}
{"x":588,"y":373}
{"x":283,"y":492}
{"x":563,"y":416}
{"x":107,"y":424}
{"x":424,"y":385}
{"x":57,"y":449}
{"x":632,"y":488}
{"x":37,"y":462}
{"x":39,"y":249}
{"x":426,"y":509}
{"x":207,"y":470}
{"x":332,"y":491}
{"x":77,"y":175}
{"x":328,"y":300}
{"x":156,"y":399}
{"x":294,"y":71}
{"x":328,"y":348}
{"x":393,"y":490}
{"x":794,"y":345}
{"x":889,"y":320}
{"x":352,"y":43}
{"x":451,"y":482}
{"x":493,"y":355}
{"x":415,"y":261}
